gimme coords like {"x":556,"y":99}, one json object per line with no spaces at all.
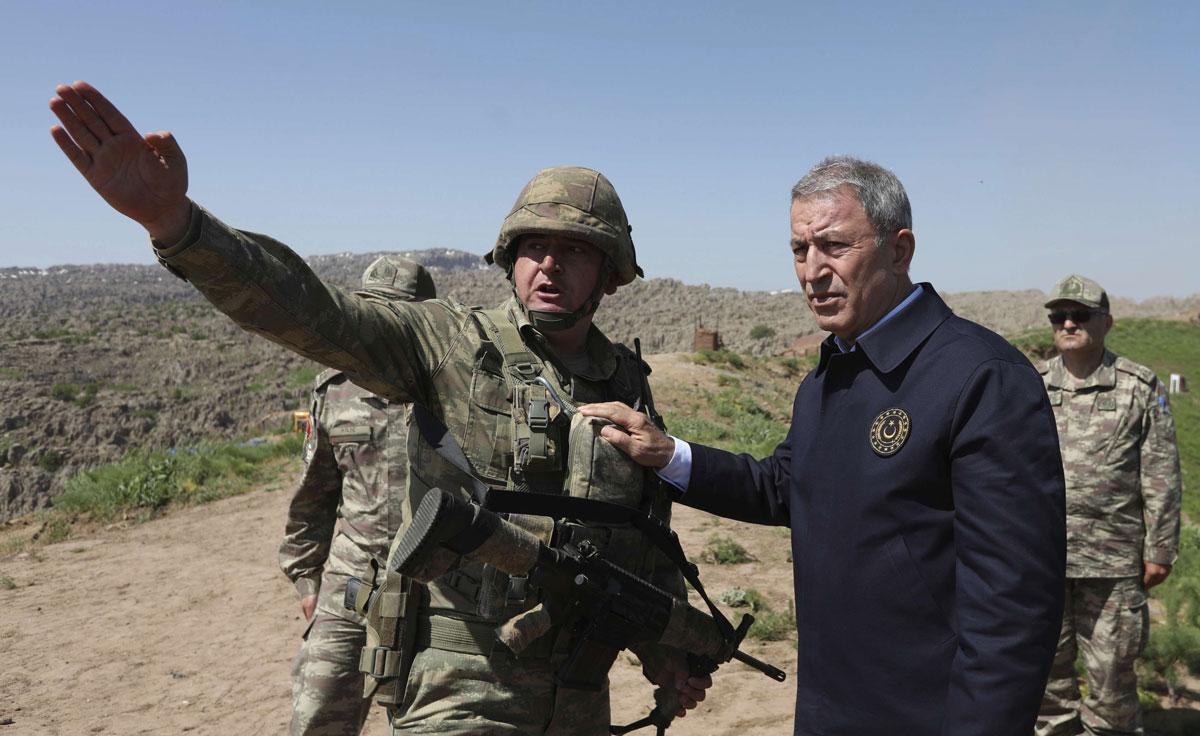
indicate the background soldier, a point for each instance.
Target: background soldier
{"x":1123,"y":500}
{"x":355,"y":465}
{"x":487,"y":375}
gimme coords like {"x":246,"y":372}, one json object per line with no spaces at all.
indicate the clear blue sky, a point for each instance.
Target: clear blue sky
{"x":1034,"y":138}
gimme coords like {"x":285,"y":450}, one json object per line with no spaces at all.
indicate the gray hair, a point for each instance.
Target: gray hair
{"x":879,"y":191}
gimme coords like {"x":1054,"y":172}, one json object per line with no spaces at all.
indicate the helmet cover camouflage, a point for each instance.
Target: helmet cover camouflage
{"x":395,"y":277}
{"x":574,"y":202}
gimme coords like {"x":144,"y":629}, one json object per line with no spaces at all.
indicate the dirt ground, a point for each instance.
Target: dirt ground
{"x":185,"y":625}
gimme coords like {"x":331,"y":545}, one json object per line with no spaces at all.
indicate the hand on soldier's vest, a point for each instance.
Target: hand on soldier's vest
{"x":633,"y":433}
{"x":1153,"y":574}
{"x":142,"y":177}
{"x":308,"y":604}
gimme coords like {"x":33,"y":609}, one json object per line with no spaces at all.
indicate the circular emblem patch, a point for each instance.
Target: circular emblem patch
{"x":889,"y":432}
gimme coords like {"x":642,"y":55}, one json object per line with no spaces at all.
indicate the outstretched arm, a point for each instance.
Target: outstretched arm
{"x":144,"y":177}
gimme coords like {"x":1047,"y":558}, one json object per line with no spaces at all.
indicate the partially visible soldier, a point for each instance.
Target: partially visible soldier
{"x":1123,"y":501}
{"x":355,"y":465}
{"x":500,"y":380}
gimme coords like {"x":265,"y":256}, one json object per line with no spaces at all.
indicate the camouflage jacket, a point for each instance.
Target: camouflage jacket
{"x":434,"y":353}
{"x":347,"y":506}
{"x":1121,"y":465}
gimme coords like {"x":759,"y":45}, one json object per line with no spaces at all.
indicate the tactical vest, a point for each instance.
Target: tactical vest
{"x":517,"y":437}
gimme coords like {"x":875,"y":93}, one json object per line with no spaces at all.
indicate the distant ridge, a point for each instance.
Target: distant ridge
{"x":99,"y":360}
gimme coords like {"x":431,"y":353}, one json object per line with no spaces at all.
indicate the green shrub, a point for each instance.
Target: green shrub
{"x":7,"y":583}
{"x":55,"y":529}
{"x":64,"y":391}
{"x":748,"y":598}
{"x":88,"y":394}
{"x":720,"y":357}
{"x":725,"y":551}
{"x":51,"y":460}
{"x":760,"y":332}
{"x":773,"y":625}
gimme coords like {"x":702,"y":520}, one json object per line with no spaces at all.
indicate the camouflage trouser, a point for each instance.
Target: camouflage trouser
{"x":1105,"y":620}
{"x":327,"y":687}
{"x":455,"y":694}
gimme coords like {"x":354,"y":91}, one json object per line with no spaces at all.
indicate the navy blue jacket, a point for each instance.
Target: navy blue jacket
{"x":928,"y":582}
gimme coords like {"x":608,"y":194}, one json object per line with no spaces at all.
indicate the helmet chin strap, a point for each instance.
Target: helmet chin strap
{"x":544,"y":321}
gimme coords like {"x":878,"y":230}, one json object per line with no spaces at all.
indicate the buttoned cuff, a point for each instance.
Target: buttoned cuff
{"x":308,"y":586}
{"x":1160,"y":555}
{"x":678,"y":472}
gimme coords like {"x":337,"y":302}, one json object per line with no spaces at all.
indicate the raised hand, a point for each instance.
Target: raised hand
{"x":142,"y":177}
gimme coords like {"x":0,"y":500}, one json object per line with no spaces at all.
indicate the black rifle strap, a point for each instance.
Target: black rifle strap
{"x":587,"y":510}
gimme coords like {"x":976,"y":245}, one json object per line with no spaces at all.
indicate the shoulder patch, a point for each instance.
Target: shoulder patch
{"x":1144,"y":374}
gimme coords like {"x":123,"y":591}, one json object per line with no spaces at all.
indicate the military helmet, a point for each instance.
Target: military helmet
{"x":574,"y":202}
{"x":395,"y":277}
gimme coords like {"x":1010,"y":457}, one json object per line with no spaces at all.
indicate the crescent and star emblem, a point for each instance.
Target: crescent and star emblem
{"x":889,"y":432}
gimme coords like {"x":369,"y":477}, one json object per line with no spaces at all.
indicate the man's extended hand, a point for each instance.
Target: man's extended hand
{"x":308,"y":604}
{"x":142,"y":177}
{"x":1153,"y":574}
{"x":634,"y":433}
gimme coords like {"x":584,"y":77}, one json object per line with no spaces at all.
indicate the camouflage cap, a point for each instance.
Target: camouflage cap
{"x":1076,"y":288}
{"x":574,"y":202}
{"x":395,"y":277}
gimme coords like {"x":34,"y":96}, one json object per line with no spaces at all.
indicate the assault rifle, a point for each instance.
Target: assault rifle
{"x":610,"y":608}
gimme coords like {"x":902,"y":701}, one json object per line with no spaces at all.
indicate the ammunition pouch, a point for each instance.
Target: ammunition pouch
{"x":389,"y":609}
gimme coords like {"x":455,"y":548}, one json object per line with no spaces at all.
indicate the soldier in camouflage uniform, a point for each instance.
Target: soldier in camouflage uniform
{"x":1123,"y":501}
{"x":355,"y":462}
{"x":489,"y":376}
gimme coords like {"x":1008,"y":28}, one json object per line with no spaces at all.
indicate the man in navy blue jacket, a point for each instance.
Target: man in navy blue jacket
{"x":921,"y":479}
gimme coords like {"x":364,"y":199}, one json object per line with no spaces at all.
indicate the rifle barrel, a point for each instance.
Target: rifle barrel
{"x":773,"y":672}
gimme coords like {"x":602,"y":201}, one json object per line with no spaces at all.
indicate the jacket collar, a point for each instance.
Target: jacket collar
{"x":891,"y":344}
{"x":1105,"y":375}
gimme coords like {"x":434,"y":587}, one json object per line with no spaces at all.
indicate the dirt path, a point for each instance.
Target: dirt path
{"x":186,"y":625}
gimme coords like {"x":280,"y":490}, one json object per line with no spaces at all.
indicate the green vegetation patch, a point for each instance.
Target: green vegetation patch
{"x":725,"y":551}
{"x":720,"y":357}
{"x":64,"y":391}
{"x":741,"y":424}
{"x":143,"y":482}
{"x":773,"y":625}
{"x":303,"y":377}
{"x":761,"y":332}
{"x":7,"y":583}
{"x":1173,"y":651}
{"x":51,"y":460}
{"x":1170,"y":347}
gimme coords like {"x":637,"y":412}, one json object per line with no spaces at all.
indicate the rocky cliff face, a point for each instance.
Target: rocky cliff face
{"x":96,"y":361}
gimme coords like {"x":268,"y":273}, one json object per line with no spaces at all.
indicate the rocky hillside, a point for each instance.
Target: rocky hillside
{"x":98,"y":360}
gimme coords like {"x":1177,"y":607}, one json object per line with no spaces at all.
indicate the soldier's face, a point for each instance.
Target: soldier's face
{"x":1071,"y":336}
{"x":848,"y":281}
{"x":553,"y":273}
